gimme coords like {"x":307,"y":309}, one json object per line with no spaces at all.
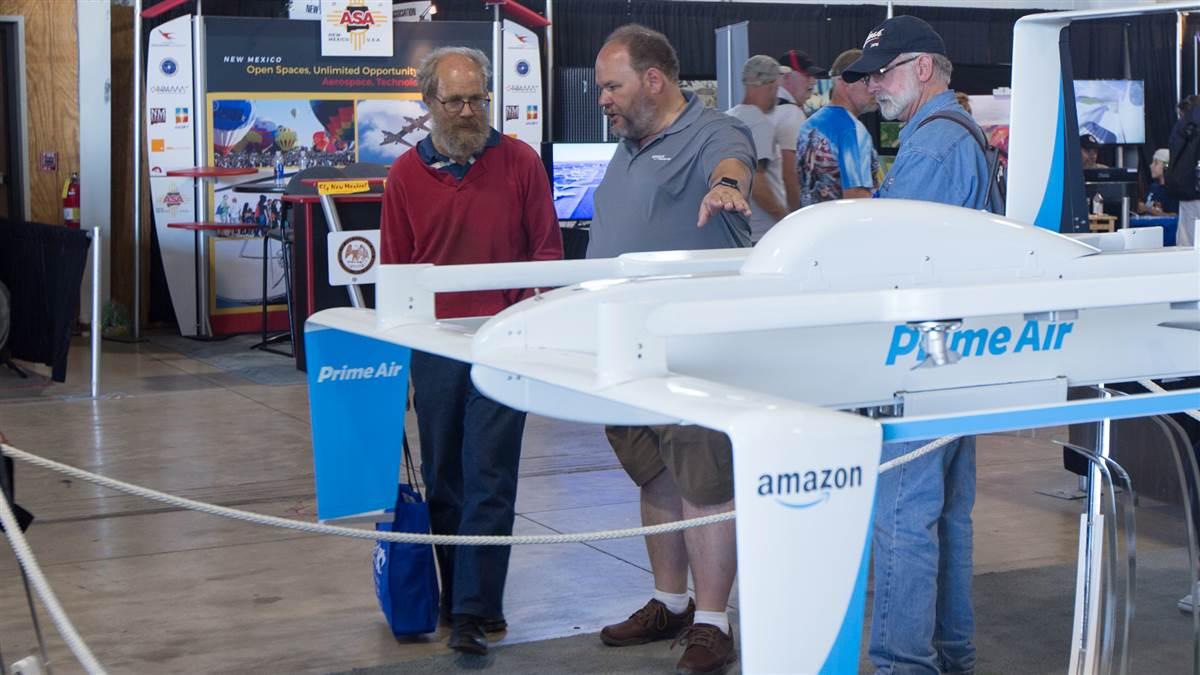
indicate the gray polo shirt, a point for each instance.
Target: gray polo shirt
{"x":650,"y":197}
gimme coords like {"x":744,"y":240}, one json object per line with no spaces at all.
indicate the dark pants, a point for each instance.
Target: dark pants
{"x":470,"y":449}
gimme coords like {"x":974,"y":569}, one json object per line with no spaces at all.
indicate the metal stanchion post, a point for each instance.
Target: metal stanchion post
{"x":97,"y":319}
{"x":135,"y":318}
{"x":548,"y":135}
{"x":498,"y":68}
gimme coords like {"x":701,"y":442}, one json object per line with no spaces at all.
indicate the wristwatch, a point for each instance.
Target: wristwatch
{"x":728,"y":182}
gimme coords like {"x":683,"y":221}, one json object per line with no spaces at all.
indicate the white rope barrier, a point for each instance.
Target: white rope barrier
{"x":1154,"y":387}
{"x":88,"y":660}
{"x":32,"y":570}
{"x":917,"y":454}
{"x":355,"y":533}
{"x":405,"y":537}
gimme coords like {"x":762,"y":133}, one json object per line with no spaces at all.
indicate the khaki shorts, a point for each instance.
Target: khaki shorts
{"x":700,"y":460}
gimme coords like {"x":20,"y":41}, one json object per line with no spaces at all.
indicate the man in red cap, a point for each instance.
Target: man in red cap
{"x":795,"y":88}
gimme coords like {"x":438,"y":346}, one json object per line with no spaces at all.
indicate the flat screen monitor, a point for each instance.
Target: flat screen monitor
{"x":1114,"y":111}
{"x":577,"y":169}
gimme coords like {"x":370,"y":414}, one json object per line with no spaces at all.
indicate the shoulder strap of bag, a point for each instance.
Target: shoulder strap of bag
{"x":994,"y":200}
{"x":410,"y":467}
{"x":971,"y":128}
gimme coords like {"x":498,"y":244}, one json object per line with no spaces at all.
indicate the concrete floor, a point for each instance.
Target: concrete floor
{"x":157,"y":590}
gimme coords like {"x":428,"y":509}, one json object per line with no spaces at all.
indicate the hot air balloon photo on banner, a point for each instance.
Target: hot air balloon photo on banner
{"x":338,"y":119}
{"x":285,"y":139}
{"x":260,"y":138}
{"x":300,"y":132}
{"x":230,"y":122}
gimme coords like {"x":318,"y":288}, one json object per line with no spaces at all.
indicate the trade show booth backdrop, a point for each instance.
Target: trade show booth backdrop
{"x":979,"y":42}
{"x":270,"y":98}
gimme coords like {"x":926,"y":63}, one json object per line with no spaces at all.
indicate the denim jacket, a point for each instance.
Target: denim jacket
{"x":939,"y":162}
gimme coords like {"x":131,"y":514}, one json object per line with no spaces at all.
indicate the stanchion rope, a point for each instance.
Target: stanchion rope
{"x":405,"y":537}
{"x":81,"y":651}
{"x":1154,"y":387}
{"x":42,"y":587}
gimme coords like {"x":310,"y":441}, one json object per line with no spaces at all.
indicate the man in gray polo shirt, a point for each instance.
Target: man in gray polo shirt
{"x":679,"y":180}
{"x":671,"y":161}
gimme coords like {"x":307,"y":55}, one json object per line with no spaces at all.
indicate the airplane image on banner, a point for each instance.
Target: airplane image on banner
{"x":414,"y":124}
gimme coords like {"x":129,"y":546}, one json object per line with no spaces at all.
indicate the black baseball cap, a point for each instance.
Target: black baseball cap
{"x":801,"y":62}
{"x":898,"y":35}
{"x":1089,"y":142}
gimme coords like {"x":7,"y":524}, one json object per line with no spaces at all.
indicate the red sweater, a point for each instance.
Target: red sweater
{"x":500,"y":212}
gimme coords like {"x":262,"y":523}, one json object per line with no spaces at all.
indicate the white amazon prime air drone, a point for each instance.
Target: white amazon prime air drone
{"x":961,"y":321}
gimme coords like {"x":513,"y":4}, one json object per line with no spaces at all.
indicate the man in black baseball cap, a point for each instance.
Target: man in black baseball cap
{"x":923,"y":619}
{"x":1089,"y":148}
{"x":898,"y":35}
{"x":895,"y":43}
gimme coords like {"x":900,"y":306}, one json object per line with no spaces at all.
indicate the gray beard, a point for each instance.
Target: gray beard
{"x":460,"y":143}
{"x":639,"y":122}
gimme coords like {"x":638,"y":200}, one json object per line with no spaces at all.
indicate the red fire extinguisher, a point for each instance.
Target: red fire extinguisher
{"x":71,"y":202}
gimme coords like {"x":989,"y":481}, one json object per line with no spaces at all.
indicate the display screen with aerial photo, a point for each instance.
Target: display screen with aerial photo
{"x":578,"y":169}
{"x":1114,"y":111}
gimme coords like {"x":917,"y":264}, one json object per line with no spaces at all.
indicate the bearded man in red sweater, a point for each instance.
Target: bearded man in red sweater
{"x":467,"y":194}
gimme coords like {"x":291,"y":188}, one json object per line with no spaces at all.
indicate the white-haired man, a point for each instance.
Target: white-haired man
{"x":923,"y":620}
{"x":795,"y":88}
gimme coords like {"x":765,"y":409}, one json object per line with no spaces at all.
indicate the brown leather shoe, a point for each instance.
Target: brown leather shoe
{"x":709,"y":651}
{"x":648,"y":624}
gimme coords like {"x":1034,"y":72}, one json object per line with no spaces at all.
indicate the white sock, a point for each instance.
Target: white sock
{"x":718,"y":619}
{"x":676,"y":603}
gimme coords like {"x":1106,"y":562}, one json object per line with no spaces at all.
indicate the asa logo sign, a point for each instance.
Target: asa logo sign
{"x":356,"y":28}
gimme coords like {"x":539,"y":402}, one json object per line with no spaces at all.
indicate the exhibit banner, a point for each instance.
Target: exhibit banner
{"x":357,"y":389}
{"x":523,"y":111}
{"x":170,"y":143}
{"x":356,"y":28}
{"x":258,"y":56}
{"x":277,"y":105}
{"x":169,"y":114}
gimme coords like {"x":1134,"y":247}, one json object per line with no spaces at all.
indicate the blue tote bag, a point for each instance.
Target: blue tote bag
{"x":406,"y":574}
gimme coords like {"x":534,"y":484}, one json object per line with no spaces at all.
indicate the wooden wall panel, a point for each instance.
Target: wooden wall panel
{"x":122,"y":171}
{"x":52,"y":88}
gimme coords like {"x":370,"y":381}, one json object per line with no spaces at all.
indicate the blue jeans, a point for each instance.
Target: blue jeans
{"x":922,"y":618}
{"x":470,"y":449}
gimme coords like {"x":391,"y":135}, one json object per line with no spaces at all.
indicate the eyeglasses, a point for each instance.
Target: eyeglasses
{"x":456,"y":105}
{"x":881,"y":74}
